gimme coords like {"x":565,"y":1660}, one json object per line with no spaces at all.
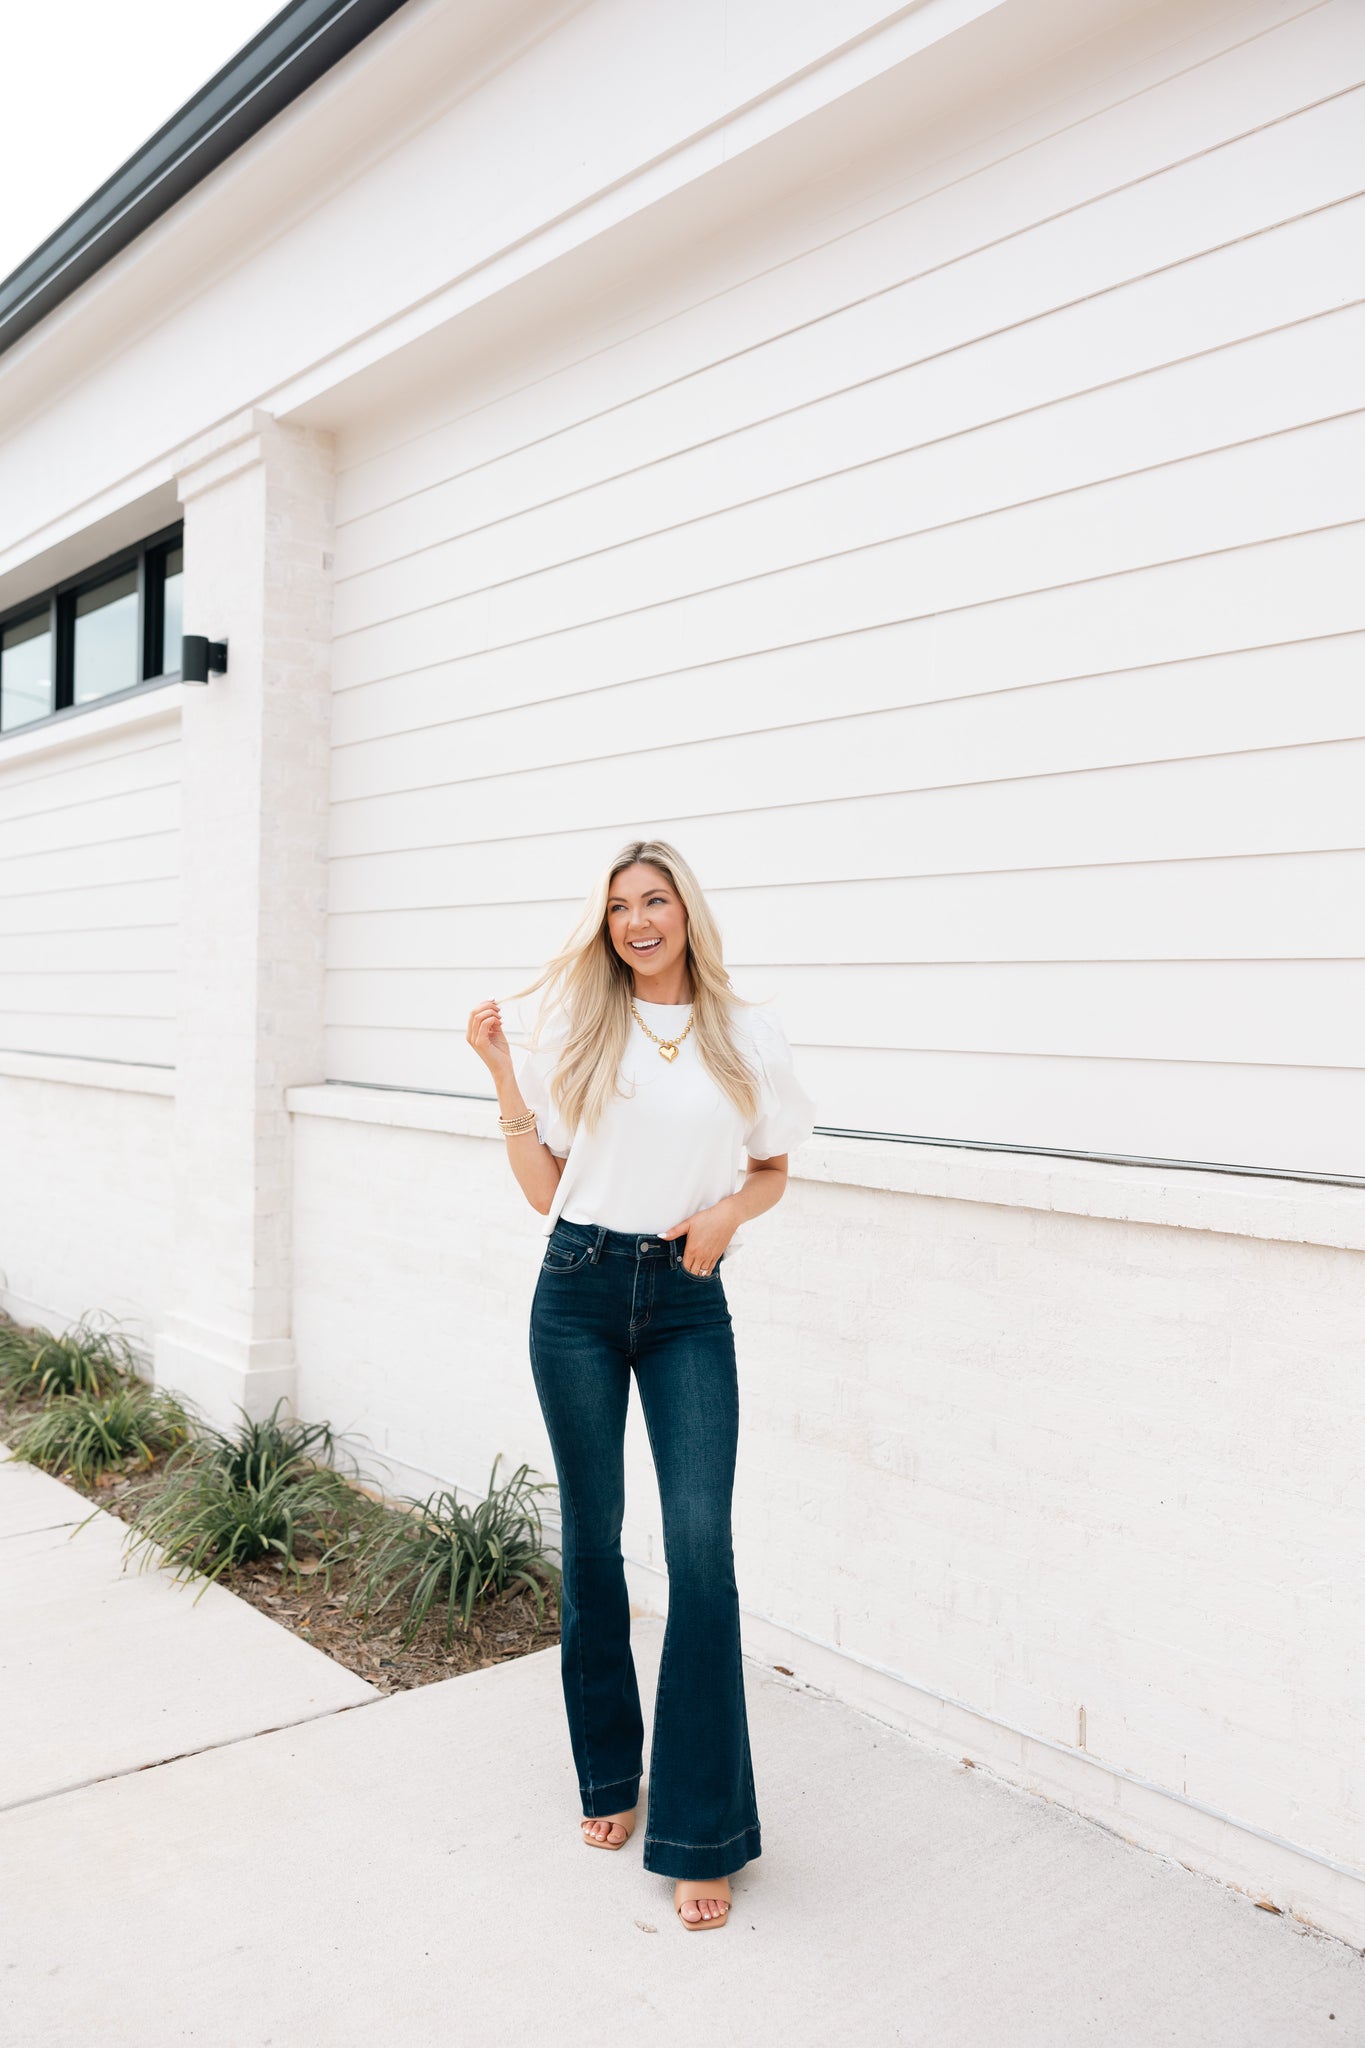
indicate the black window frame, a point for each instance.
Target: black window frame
{"x":147,"y":557}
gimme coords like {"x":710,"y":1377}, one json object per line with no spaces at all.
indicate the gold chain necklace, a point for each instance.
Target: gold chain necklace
{"x":668,"y":1047}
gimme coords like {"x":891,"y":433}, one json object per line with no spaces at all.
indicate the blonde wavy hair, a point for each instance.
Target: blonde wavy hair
{"x":590,"y":985}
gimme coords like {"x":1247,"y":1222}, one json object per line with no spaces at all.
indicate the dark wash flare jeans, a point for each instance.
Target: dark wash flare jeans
{"x":608,"y":1303}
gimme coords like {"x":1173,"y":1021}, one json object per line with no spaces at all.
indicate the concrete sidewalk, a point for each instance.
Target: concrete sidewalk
{"x":105,"y":1669}
{"x":411,"y":1873}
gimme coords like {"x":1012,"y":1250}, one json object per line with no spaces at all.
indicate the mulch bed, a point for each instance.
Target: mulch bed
{"x":315,"y":1610}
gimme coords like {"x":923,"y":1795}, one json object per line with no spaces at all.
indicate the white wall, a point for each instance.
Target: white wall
{"x":85,"y":1195}
{"x":89,"y":885}
{"x":89,"y":948}
{"x":935,"y":502}
{"x":969,"y":583}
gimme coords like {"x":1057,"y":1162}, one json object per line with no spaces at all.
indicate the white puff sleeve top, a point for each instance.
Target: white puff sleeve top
{"x":675,"y":1143}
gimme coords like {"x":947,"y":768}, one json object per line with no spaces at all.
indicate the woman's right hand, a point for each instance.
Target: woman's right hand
{"x":486,"y":1036}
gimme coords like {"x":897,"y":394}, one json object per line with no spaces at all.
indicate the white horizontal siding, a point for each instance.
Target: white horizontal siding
{"x":794,"y":488}
{"x":975,"y":595}
{"x":393,"y":792}
{"x":1302,"y":906}
{"x":89,"y":899}
{"x":1235,"y":497}
{"x":1251,"y":1012}
{"x":1133,"y":151}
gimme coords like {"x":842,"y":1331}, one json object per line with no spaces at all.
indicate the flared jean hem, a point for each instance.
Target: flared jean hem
{"x":693,"y":1859}
{"x":617,"y":1798}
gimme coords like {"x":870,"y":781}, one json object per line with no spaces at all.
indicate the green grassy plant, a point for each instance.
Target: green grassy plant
{"x":434,"y":1551}
{"x":86,"y":1434}
{"x":259,"y":1450}
{"x":266,"y":1488}
{"x":82,"y":1360}
{"x":17,"y":1345}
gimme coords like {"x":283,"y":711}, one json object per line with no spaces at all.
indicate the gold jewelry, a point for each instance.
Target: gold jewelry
{"x":668,"y":1047}
{"x":516,"y":1126}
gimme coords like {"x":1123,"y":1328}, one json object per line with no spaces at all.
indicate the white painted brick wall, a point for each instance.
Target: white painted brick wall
{"x":85,"y":1204}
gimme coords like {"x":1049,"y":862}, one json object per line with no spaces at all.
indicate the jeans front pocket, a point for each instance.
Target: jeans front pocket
{"x":564,"y":1255}
{"x":702,"y":1278}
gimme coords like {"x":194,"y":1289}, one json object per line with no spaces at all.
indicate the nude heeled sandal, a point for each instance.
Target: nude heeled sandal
{"x":595,"y":1842}
{"x":717,"y":1920}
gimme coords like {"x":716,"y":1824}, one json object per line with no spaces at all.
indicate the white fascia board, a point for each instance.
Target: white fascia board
{"x":896,"y":40}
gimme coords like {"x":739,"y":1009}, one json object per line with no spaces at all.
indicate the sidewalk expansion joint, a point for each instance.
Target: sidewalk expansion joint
{"x":203,"y":1749}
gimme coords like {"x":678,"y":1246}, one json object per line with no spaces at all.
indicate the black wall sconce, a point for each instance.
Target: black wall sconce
{"x":201,"y":658}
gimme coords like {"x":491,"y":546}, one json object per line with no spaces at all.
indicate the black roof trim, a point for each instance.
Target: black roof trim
{"x":282,"y":60}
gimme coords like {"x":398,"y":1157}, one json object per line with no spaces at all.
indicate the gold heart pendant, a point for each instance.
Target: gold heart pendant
{"x":668,"y":1052}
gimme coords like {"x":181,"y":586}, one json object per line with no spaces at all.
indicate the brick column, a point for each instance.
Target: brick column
{"x":258,"y":498}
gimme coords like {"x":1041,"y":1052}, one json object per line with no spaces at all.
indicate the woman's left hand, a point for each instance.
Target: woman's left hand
{"x":707,"y":1234}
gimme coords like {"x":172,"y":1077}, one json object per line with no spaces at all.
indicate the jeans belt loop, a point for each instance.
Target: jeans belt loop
{"x":596,"y":1252}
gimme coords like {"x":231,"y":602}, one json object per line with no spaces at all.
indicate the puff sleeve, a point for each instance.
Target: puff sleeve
{"x":533,"y":1068}
{"x":786,"y":1113}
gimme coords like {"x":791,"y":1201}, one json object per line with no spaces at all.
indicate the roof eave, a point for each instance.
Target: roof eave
{"x":294,"y":49}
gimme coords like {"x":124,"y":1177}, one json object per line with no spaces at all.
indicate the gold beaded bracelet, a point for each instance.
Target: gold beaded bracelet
{"x":517,"y":1126}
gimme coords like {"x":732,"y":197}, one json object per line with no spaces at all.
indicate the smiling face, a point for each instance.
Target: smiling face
{"x":647,"y":926}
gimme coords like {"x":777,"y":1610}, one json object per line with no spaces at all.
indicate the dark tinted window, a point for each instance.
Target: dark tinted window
{"x":113,"y":628}
{"x":26,"y":670}
{"x":105,"y":638}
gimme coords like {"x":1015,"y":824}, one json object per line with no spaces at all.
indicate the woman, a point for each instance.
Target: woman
{"x":624,"y":1128}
